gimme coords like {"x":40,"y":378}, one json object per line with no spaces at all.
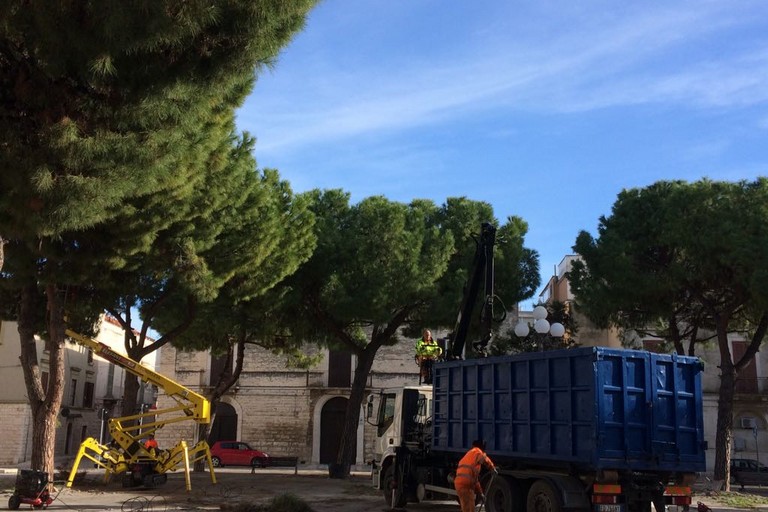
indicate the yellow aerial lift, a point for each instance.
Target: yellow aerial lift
{"x":126,"y":454}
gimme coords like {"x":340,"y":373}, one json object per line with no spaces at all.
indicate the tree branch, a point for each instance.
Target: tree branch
{"x":330,"y":323}
{"x":754,"y":345}
{"x":170,"y":335}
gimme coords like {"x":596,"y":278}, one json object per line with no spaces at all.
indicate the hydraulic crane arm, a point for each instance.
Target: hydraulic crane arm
{"x":481,"y":274}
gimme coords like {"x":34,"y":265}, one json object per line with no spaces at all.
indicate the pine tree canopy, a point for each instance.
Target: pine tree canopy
{"x":114,"y":116}
{"x":120,"y":169}
{"x":105,"y":101}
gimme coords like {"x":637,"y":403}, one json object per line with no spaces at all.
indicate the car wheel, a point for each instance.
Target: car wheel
{"x":216,"y":462}
{"x":258,"y":462}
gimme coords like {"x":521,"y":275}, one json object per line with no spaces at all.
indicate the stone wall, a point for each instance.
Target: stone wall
{"x":278,"y":407}
{"x":16,"y":441}
{"x":278,"y":421}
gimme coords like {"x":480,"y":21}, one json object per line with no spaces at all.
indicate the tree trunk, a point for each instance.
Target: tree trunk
{"x":724,"y":431}
{"x":130,"y":393}
{"x":224,"y":382}
{"x":132,"y":383}
{"x":44,"y":438}
{"x":346,"y":455}
{"x":44,"y":403}
{"x":135,"y":351}
{"x":136,"y":348}
{"x":729,"y":371}
{"x":203,"y":430}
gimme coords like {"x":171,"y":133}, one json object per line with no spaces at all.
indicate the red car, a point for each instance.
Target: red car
{"x":237,"y":453}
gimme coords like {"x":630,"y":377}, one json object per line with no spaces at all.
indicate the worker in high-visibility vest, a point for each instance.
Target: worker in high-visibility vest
{"x":427,"y":351}
{"x":467,"y":480}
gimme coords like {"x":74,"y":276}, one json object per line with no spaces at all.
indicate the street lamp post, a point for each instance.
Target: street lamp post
{"x":541,"y":325}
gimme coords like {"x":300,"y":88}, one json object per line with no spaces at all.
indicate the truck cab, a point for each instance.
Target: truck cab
{"x":403,"y":417}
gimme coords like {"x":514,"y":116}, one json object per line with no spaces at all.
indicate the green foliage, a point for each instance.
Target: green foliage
{"x":119,"y":165}
{"x":516,"y":267}
{"x":739,"y":500}
{"x":378,"y":266}
{"x":112,"y":116}
{"x":378,"y":257}
{"x":288,"y":503}
{"x":121,"y":95}
{"x":263,"y":233}
{"x":691,"y":258}
{"x":674,"y":255}
{"x":371,"y":260}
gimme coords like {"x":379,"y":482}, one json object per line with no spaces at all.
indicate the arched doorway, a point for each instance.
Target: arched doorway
{"x":224,"y":424}
{"x":331,"y":426}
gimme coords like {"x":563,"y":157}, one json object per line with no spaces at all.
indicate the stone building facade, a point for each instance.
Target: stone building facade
{"x":93,"y":391}
{"x":284,"y":411}
{"x":77,"y":420}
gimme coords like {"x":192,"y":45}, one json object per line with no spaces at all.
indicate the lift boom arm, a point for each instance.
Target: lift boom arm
{"x":199,"y":408}
{"x":132,"y":455}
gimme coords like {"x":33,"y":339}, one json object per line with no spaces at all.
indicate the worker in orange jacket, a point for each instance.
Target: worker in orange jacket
{"x":150,"y":444}
{"x":467,"y":481}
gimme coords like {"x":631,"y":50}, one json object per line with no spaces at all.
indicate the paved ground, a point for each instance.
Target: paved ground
{"x":234,"y":486}
{"x":240,"y":486}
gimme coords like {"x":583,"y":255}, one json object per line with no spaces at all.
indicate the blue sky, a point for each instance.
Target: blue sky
{"x":545,"y":109}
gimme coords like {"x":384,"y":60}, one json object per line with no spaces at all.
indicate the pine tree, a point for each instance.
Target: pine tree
{"x":381,"y":267}
{"x":106,"y":108}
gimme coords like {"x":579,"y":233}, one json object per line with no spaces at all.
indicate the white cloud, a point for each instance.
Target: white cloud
{"x":600,"y":62}
{"x":706,"y":150}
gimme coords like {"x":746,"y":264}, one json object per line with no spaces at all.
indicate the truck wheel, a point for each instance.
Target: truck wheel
{"x":393,"y":495}
{"x":498,"y":495}
{"x":542,"y":498}
{"x":502,"y":494}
